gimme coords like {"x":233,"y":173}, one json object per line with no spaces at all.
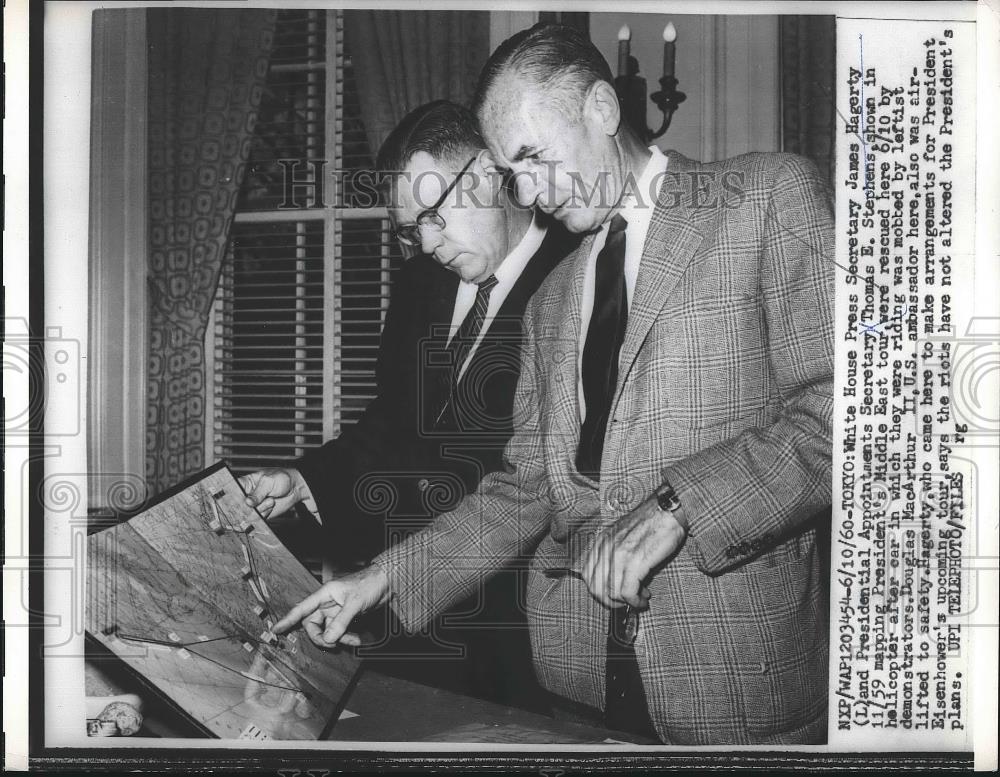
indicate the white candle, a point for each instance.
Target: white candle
{"x":669,"y":49}
{"x":624,"y":36}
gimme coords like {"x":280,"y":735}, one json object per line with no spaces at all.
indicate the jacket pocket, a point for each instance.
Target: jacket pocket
{"x":779,"y":633}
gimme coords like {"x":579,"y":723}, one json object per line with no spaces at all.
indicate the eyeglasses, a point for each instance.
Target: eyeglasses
{"x":409,"y":234}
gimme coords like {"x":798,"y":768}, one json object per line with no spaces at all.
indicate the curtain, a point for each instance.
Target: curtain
{"x":403,"y":59}
{"x":808,"y":70}
{"x":206,"y":75}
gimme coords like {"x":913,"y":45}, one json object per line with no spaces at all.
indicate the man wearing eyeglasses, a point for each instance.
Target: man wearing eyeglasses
{"x":448,"y":366}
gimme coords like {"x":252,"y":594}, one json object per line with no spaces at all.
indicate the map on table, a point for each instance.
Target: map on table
{"x":186,"y":593}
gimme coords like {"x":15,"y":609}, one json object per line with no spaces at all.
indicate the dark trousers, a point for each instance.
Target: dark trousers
{"x":625,"y":706}
{"x":625,"y":709}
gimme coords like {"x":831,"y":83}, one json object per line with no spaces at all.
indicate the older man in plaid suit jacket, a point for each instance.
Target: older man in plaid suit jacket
{"x":693,"y":502}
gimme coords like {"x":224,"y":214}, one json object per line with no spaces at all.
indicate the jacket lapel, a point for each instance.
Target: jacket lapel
{"x":568,"y":340}
{"x":674,"y":236}
{"x":441,"y":302}
{"x":556,"y":245}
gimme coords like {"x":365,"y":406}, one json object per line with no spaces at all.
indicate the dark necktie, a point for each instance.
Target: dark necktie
{"x":625,"y":699}
{"x":600,"y":353}
{"x":468,"y":332}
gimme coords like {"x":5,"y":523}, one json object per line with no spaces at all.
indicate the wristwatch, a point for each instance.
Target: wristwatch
{"x":667,"y":499}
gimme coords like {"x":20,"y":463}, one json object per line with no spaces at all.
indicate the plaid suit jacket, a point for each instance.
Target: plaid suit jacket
{"x":725,"y":389}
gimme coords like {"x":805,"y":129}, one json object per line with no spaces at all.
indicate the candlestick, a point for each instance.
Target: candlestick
{"x":624,"y":38}
{"x":669,"y":49}
{"x":631,"y":87}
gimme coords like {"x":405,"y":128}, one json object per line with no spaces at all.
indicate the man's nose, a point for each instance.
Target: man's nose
{"x":526,"y":188}
{"x":430,"y":239}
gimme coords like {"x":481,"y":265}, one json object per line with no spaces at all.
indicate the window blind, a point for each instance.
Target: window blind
{"x":303,"y":293}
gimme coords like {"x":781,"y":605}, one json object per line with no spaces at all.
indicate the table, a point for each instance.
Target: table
{"x":381,"y":708}
{"x":390,"y":709}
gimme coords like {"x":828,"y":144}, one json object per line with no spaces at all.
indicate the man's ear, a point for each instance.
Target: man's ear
{"x":489,"y":166}
{"x":487,"y":163}
{"x":602,"y":107}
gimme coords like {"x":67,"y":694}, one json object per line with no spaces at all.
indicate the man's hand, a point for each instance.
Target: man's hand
{"x":326,"y":613}
{"x":625,"y":553}
{"x":274,"y":491}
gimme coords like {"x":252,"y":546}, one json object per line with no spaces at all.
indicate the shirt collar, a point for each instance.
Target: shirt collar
{"x":513,"y":265}
{"x":638,"y":202}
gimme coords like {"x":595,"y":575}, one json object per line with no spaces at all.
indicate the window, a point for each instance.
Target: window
{"x":294,"y":333}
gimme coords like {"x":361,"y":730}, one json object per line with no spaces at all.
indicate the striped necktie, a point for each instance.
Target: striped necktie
{"x":465,"y":338}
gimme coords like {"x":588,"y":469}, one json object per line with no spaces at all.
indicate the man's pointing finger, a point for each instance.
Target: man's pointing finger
{"x":303,"y":609}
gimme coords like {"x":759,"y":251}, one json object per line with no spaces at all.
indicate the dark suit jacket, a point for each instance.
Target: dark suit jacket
{"x":422,"y":444}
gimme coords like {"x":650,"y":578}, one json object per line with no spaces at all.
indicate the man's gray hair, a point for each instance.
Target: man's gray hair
{"x":558,"y":59}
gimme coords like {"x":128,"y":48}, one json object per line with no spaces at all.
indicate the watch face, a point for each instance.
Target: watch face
{"x":667,"y":499}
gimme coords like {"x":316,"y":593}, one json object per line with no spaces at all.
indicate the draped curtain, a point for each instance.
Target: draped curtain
{"x":403,"y":59}
{"x":808,"y":71}
{"x":206,"y":75}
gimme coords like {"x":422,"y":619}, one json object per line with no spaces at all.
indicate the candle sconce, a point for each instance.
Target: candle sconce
{"x":631,"y":87}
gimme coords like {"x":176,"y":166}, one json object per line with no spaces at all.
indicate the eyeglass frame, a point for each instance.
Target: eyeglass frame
{"x":437,"y":220}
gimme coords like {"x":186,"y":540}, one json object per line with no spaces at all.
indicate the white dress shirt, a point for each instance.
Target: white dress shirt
{"x":507,"y":273}
{"x":637,"y":210}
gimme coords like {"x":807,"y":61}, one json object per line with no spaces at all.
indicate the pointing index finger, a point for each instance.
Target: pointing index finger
{"x":303,"y":609}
